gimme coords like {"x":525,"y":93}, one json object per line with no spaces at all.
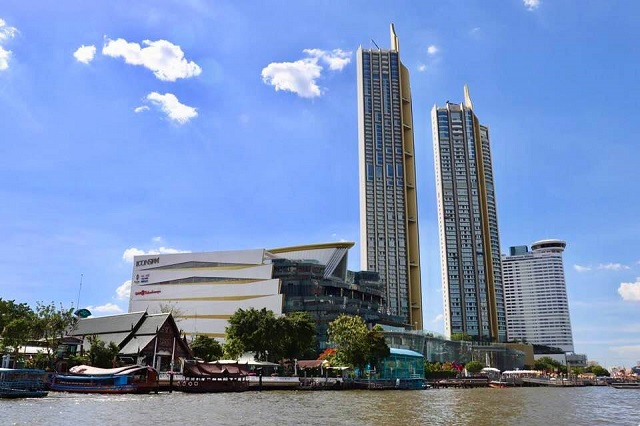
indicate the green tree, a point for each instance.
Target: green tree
{"x":206,"y":348}
{"x":377,"y":347}
{"x":355,"y":344}
{"x":255,"y":330}
{"x":461,"y":336}
{"x":270,"y":338}
{"x":52,"y":324}
{"x":474,"y":367}
{"x":297,"y":332}
{"x":16,"y":326}
{"x":233,"y":348}
{"x":549,"y":364}
{"x":102,"y":355}
{"x":598,"y":370}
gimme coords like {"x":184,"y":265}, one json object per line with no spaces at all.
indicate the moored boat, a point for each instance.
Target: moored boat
{"x":626,"y":385}
{"x":22,"y":383}
{"x":207,"y":377}
{"x":87,"y":379}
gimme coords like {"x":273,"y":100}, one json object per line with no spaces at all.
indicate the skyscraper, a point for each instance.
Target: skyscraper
{"x":535,"y":295}
{"x":468,"y":224}
{"x":388,"y":206}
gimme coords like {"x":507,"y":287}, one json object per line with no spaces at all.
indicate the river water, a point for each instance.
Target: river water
{"x":486,"y":406}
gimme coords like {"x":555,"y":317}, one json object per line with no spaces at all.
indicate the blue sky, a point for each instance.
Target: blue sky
{"x":187,"y":125}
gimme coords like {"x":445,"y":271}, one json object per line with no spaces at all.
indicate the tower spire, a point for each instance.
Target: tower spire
{"x":467,"y":97}
{"x":395,"y":43}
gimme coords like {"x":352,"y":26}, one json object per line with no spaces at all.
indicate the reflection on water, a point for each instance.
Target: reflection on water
{"x":520,"y":406}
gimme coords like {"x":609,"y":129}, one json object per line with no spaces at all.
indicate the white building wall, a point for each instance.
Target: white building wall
{"x":536,"y":297}
{"x":204,"y":289}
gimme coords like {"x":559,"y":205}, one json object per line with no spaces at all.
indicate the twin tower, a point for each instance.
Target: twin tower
{"x":467,"y":216}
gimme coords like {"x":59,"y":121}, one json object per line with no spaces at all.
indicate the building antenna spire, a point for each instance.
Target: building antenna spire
{"x":395,"y":43}
{"x":467,"y":97}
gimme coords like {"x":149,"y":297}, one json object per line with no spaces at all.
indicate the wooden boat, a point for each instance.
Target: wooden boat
{"x":22,"y":383}
{"x":87,"y":379}
{"x":205,"y":377}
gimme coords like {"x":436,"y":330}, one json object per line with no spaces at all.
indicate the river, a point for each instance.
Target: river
{"x":485,"y":406}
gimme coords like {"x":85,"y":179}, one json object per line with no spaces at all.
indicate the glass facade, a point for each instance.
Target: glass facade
{"x":389,"y":223}
{"x":468,"y":223}
{"x":305,"y":289}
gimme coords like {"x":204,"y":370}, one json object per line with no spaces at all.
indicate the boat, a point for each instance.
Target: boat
{"x":87,"y":379}
{"x":209,"y":377}
{"x":273,"y":382}
{"x":625,"y":385}
{"x":22,"y":383}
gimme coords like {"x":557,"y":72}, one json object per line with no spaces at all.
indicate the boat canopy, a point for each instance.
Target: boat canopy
{"x":95,"y":371}
{"x":214,"y":370}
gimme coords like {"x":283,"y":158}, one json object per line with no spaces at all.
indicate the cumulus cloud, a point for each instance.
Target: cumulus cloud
{"x":432,"y":50}
{"x":171,"y":106}
{"x":422,"y":67}
{"x":129,"y":253}
{"x":164,"y":58}
{"x":630,"y":292}
{"x":531,"y":4}
{"x":107,"y":308}
{"x":300,"y":76}
{"x":337,"y":59}
{"x":580,"y":268}
{"x":141,"y":109}
{"x":6,"y":32}
{"x":124,"y":291}
{"x":85,"y":54}
{"x":613,"y":266}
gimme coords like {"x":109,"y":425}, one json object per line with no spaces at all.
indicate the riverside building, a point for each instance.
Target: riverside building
{"x":536,"y":295}
{"x":468,"y":224}
{"x":205,"y":289}
{"x":388,"y":203}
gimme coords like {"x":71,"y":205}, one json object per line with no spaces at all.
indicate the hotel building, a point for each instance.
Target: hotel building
{"x":388,"y":205}
{"x":535,"y":295}
{"x":468,"y":224}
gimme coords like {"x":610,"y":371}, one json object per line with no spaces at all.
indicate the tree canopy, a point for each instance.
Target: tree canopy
{"x":269,"y":337}
{"x":355,"y":344}
{"x":474,"y":367}
{"x":206,"y":348}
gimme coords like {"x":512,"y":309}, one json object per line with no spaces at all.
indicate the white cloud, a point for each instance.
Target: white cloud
{"x":164,"y":58}
{"x":437,"y":319}
{"x":157,"y":239}
{"x":531,"y":4}
{"x":630,"y":291}
{"x":475,"y":31}
{"x":300,"y":76}
{"x":141,"y":109}
{"x":6,"y":32}
{"x":107,"y":308}
{"x":422,"y":67}
{"x":129,"y":253}
{"x":613,"y":266}
{"x":432,"y":50}
{"x":337,"y":59}
{"x":124,"y":291}
{"x":85,"y":54}
{"x":581,"y":268}
{"x":171,"y":106}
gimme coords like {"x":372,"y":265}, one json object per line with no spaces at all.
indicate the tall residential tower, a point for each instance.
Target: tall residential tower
{"x":388,"y":206}
{"x":468,"y":224}
{"x":535,"y":295}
